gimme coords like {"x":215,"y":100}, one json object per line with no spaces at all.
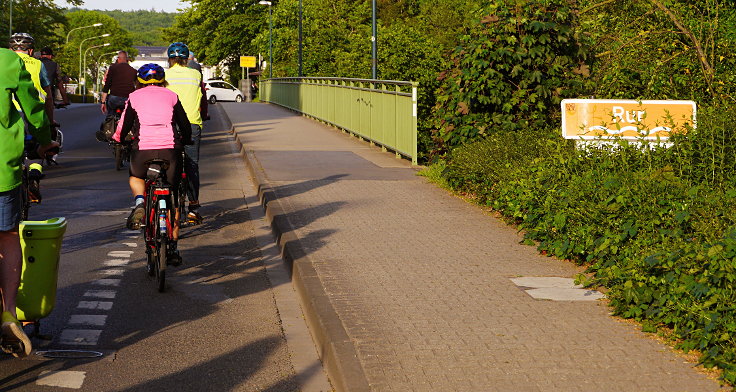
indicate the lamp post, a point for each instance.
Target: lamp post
{"x":83,"y":27}
{"x":300,"y":39}
{"x":270,"y":37}
{"x":80,"y":52}
{"x":99,"y":59}
{"x":10,"y":20}
{"x":84,"y":86}
{"x":374,"y":44}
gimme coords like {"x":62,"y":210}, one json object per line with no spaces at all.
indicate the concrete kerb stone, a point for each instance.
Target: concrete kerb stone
{"x":335,"y":348}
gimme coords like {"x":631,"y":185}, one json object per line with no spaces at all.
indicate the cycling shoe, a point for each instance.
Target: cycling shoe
{"x":173,"y":258}
{"x":135,"y":219}
{"x":15,"y":340}
{"x":194,"y":218}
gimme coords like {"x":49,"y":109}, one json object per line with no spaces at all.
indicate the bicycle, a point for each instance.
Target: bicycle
{"x":157,"y":221}
{"x":121,"y":151}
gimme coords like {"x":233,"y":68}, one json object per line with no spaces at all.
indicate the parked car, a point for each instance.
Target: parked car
{"x":218,"y":90}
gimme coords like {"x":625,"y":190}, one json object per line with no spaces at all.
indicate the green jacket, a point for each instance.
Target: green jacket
{"x":16,"y":81}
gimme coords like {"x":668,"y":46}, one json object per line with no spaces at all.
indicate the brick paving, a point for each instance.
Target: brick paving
{"x":419,"y":280}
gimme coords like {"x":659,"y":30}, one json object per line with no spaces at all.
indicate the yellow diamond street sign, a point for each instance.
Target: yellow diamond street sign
{"x":247,"y":61}
{"x":591,"y":119}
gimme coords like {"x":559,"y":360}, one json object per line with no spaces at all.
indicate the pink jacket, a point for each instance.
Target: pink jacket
{"x":150,"y":114}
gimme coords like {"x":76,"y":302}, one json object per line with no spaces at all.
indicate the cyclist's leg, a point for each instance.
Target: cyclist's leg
{"x":10,"y":268}
{"x":137,"y":183}
{"x":192,"y":170}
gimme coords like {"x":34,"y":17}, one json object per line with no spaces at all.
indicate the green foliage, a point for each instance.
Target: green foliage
{"x":145,"y":27}
{"x":663,"y":49}
{"x":42,"y":19}
{"x":69,"y":55}
{"x":511,"y":71}
{"x":657,"y":226}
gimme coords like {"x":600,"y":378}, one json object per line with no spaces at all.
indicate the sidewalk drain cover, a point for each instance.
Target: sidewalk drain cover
{"x":555,"y":289}
{"x":70,"y":354}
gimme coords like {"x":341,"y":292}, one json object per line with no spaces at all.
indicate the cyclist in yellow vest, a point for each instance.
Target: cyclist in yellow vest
{"x":22,"y":44}
{"x":186,"y":83}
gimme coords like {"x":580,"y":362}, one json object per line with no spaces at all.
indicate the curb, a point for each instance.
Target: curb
{"x":333,"y":344}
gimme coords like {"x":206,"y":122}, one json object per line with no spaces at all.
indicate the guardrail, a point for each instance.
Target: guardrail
{"x":383,"y":112}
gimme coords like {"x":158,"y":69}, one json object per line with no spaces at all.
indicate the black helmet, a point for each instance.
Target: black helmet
{"x":46,"y":51}
{"x":21,"y":41}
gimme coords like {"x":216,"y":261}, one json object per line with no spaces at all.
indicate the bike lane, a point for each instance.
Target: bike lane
{"x":217,"y":327}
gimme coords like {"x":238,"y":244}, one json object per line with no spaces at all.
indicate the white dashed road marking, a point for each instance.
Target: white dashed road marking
{"x":107,"y":282}
{"x":120,"y":253}
{"x":95,"y":305}
{"x":107,"y":294}
{"x":80,"y":337}
{"x":115,"y":262}
{"x":95,"y":320}
{"x":61,"y":379}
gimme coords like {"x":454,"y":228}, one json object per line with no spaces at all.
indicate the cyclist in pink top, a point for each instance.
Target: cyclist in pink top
{"x":160,"y":128}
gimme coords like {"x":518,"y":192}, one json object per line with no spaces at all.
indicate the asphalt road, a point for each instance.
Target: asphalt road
{"x":216,"y":328}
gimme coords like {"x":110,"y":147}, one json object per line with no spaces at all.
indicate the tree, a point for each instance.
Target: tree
{"x":661,"y":50}
{"x":42,"y":19}
{"x":511,"y":71}
{"x":119,"y":39}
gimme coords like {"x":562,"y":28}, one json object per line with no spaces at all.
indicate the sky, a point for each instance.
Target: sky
{"x":130,"y":5}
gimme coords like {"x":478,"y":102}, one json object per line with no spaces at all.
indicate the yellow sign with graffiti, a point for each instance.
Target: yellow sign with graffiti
{"x":591,"y":119}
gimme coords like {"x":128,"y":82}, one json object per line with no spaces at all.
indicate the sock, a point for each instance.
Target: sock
{"x":139,"y":200}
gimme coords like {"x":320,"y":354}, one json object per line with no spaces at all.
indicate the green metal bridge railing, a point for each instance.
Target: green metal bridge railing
{"x":383,"y":112}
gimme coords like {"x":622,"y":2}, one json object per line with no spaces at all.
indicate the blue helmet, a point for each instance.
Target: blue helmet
{"x":151,"y":73}
{"x":178,"y":49}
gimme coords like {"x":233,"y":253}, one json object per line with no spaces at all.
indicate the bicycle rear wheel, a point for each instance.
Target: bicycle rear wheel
{"x":118,"y":156}
{"x":161,"y":247}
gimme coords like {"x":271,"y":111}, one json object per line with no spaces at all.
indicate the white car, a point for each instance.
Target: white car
{"x":218,"y":90}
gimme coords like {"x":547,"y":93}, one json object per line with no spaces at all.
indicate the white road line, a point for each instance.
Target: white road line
{"x":61,"y":379}
{"x":112,"y":271}
{"x":107,"y":282}
{"x":130,"y":244}
{"x":80,"y":337}
{"x":94,"y":320}
{"x":95,"y":305}
{"x":120,"y":253}
{"x":107,"y":294}
{"x":115,"y":262}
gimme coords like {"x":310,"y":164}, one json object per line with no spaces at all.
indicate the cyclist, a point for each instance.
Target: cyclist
{"x":54,"y":74}
{"x":186,"y":83}
{"x":16,"y":82}
{"x":22,"y":44}
{"x":119,"y":83}
{"x":150,"y":114}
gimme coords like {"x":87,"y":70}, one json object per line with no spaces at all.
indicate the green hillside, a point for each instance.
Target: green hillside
{"x":144,"y":26}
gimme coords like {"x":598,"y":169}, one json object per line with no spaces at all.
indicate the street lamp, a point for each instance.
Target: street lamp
{"x":10,"y":20}
{"x":374,"y":45}
{"x":80,"y":52}
{"x":84,"y":85}
{"x":270,"y":37}
{"x":83,"y":27}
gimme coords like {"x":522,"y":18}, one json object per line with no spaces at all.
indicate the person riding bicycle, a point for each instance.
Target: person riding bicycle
{"x":150,"y":114}
{"x":119,"y":83}
{"x":54,"y":74}
{"x":16,"y":84}
{"x":186,"y":83}
{"x":23,"y":45}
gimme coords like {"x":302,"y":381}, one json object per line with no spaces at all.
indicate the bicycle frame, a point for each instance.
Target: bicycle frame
{"x":158,"y":225}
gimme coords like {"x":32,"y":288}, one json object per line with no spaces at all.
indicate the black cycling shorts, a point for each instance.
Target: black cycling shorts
{"x":138,"y":159}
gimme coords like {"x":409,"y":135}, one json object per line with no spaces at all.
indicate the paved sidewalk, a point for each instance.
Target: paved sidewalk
{"x":407,"y":288}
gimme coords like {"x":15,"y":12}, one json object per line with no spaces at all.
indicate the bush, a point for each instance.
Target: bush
{"x":656,"y":226}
